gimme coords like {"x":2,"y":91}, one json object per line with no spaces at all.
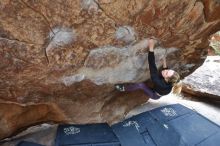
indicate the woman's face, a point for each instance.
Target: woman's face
{"x":167,"y":73}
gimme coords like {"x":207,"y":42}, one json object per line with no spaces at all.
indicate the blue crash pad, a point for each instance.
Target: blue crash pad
{"x":86,"y":135}
{"x":26,"y":143}
{"x":173,"y":125}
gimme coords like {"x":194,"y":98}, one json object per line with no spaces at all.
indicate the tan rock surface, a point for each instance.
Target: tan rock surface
{"x":43,"y":42}
{"x":14,"y":115}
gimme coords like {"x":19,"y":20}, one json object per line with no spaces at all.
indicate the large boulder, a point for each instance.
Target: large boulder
{"x":67,"y":55}
{"x":204,"y":83}
{"x":14,"y":115}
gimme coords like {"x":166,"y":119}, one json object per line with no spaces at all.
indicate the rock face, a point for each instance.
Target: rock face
{"x":15,"y":115}
{"x":205,"y":81}
{"x":66,"y":56}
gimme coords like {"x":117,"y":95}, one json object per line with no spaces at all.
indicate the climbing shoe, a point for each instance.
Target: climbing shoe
{"x":120,"y":87}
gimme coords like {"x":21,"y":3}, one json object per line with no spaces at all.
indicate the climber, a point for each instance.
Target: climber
{"x":164,"y":82}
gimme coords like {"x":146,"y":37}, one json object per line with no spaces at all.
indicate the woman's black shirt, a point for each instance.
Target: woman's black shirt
{"x":160,"y":85}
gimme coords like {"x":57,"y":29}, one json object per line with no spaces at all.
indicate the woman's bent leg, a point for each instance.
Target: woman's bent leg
{"x":149,"y":92}
{"x":132,"y":87}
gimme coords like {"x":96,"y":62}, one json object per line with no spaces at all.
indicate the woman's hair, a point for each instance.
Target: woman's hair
{"x":177,"y":87}
{"x":176,"y":83}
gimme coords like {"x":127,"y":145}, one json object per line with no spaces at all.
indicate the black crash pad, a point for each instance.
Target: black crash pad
{"x":173,"y":125}
{"x":86,"y":135}
{"x":26,"y":143}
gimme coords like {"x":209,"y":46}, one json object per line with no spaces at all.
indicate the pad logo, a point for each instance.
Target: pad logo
{"x":71,"y":130}
{"x":169,"y":112}
{"x":132,"y":123}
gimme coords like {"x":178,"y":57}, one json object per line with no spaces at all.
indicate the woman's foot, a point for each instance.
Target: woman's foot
{"x":120,"y":87}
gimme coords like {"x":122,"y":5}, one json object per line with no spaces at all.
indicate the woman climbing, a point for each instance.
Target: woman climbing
{"x":164,"y":81}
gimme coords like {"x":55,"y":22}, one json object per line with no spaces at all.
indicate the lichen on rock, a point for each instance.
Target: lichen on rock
{"x":129,"y":65}
{"x":126,"y":34}
{"x":60,"y":37}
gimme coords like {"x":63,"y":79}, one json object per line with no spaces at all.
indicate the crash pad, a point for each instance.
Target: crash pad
{"x":173,"y":125}
{"x":86,"y":135}
{"x":27,"y":143}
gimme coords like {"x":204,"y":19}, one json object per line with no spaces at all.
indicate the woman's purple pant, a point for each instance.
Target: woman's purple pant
{"x":135,"y":86}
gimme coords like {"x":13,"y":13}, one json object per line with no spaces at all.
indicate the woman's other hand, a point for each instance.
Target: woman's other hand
{"x":151,"y":45}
